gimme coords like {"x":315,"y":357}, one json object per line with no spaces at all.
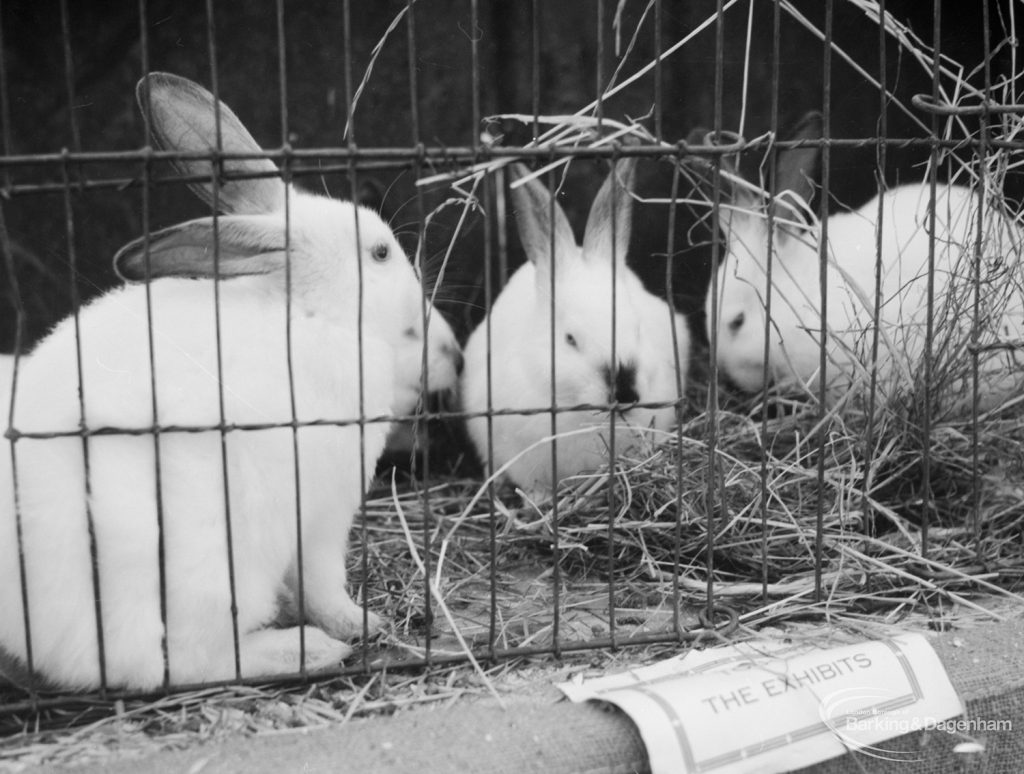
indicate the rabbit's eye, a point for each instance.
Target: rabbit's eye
{"x":380,"y":251}
{"x":736,"y":323}
{"x":571,"y":341}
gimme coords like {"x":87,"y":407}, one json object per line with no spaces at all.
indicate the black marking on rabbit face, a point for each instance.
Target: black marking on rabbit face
{"x":451,"y":350}
{"x":621,"y":383}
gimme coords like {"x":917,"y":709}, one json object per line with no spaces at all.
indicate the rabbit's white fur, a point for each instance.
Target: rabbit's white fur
{"x":794,"y":331}
{"x":520,"y":344}
{"x":254,"y":468}
{"x":122,"y":481}
{"x":442,"y":361}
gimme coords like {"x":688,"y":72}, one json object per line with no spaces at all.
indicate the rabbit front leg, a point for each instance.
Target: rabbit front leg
{"x":325,"y":596}
{"x":327,"y":601}
{"x":332,"y":480}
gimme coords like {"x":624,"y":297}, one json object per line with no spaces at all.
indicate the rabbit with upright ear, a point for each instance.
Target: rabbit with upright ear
{"x":125,"y":547}
{"x":794,"y":331}
{"x":512,"y":370}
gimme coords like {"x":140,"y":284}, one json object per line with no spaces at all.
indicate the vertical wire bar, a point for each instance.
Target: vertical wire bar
{"x":424,"y":492}
{"x":19,"y":335}
{"x":286,"y":177}
{"x":929,"y":334}
{"x":535,"y":65}
{"x":983,"y":140}
{"x":5,"y":107}
{"x":613,"y":415}
{"x":826,"y":157}
{"x":474,"y":53}
{"x":84,"y":426}
{"x":147,"y":181}
{"x":12,"y":436}
{"x":414,"y":91}
{"x":716,"y":253}
{"x":500,"y":234}
{"x":476,"y":123}
{"x":773,"y":160}
{"x":414,"y":111}
{"x":600,"y":64}
{"x":69,"y":76}
{"x":503,"y":271}
{"x":217,"y":170}
{"x":492,"y":515}
{"x":14,"y":288}
{"x":360,"y":301}
{"x":881,"y":155}
{"x":556,"y":553}
{"x":670,"y":251}
{"x":614,"y":364}
{"x":659,"y":111}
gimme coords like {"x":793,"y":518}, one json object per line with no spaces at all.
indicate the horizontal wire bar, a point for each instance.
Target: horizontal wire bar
{"x":130,"y":183}
{"x":469,"y":154}
{"x":403,"y":159}
{"x":14,"y":434}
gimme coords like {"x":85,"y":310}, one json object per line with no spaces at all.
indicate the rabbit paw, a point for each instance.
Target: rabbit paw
{"x":346,"y":623}
{"x":323,"y":651}
{"x":278,"y":651}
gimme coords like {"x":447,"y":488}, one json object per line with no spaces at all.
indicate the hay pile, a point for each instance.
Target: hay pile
{"x":800,"y":526}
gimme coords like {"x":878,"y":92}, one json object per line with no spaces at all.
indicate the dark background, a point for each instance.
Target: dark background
{"x":68,"y":83}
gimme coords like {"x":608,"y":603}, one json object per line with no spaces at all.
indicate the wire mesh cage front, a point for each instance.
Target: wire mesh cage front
{"x":606,"y":325}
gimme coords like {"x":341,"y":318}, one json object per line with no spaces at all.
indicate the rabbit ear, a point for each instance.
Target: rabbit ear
{"x":370,"y":195}
{"x":246,"y":245}
{"x":533,"y":209}
{"x":613,"y":201}
{"x":796,"y":168}
{"x":186,"y":117}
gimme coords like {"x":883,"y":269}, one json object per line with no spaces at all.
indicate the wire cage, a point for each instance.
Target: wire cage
{"x":666,"y":495}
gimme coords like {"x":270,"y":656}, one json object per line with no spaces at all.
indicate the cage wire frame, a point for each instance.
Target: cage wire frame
{"x":481,"y":162}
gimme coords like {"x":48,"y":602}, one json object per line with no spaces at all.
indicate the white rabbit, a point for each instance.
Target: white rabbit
{"x":794,"y":331}
{"x":121,"y":477}
{"x":645,"y":366}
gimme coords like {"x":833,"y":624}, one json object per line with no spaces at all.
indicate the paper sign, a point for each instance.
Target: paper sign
{"x":771,"y":707}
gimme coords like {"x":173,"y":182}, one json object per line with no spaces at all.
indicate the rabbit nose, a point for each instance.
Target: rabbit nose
{"x":621,"y":383}
{"x":441,"y":400}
